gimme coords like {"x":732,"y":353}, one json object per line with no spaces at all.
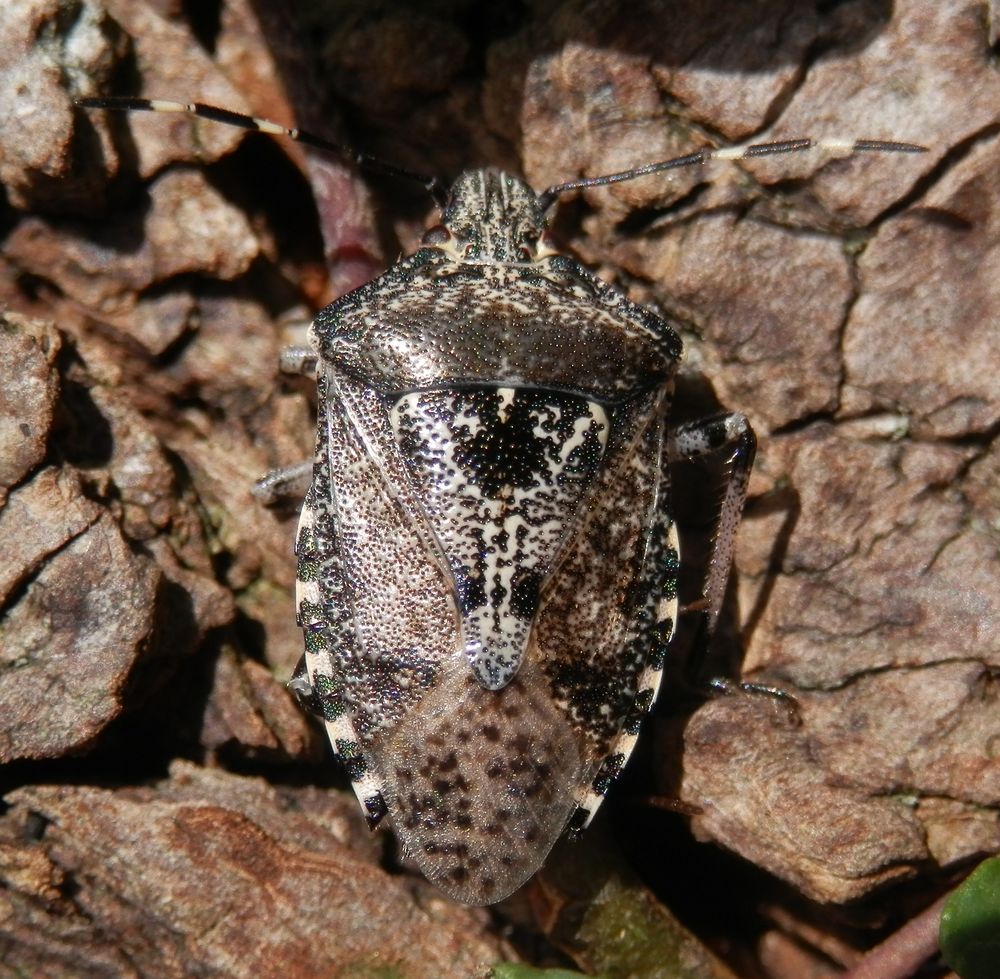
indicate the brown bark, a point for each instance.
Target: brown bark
{"x":152,"y":268}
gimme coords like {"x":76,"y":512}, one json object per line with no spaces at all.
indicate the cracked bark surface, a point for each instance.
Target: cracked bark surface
{"x":153,"y":267}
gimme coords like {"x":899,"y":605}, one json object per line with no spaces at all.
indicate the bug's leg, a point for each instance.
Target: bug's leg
{"x":732,"y":433}
{"x":301,"y":688}
{"x":720,"y":433}
{"x":298,"y":360}
{"x":289,"y":481}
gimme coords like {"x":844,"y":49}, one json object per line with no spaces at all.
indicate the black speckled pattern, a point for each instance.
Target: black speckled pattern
{"x":487,"y":563}
{"x":500,"y":474}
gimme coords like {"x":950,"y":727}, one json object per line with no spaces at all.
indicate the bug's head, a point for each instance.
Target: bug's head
{"x":491,"y":217}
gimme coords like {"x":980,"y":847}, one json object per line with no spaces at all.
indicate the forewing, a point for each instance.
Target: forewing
{"x":609,"y":609}
{"x":376,"y":608}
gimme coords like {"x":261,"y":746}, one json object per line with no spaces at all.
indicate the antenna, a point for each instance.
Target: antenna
{"x":547,"y":198}
{"x":126,"y":103}
{"x":439,"y":191}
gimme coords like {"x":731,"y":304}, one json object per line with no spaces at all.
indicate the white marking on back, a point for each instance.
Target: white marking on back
{"x":500,"y":473}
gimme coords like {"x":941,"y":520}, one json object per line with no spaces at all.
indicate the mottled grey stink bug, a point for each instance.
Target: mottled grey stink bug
{"x":487,"y":555}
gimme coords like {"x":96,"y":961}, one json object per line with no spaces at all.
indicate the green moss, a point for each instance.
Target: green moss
{"x":970,"y":924}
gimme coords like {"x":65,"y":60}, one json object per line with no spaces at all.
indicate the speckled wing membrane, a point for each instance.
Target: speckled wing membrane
{"x":496,"y":492}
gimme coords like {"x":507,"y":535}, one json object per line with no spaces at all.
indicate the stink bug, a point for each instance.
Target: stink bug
{"x":487,"y":557}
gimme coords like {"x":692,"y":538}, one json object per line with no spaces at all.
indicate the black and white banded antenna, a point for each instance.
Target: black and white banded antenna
{"x":439,"y":190}
{"x":748,"y":152}
{"x":365,"y":161}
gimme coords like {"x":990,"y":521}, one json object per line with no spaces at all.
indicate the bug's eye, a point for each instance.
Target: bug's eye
{"x":438,"y":235}
{"x":469,"y":251}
